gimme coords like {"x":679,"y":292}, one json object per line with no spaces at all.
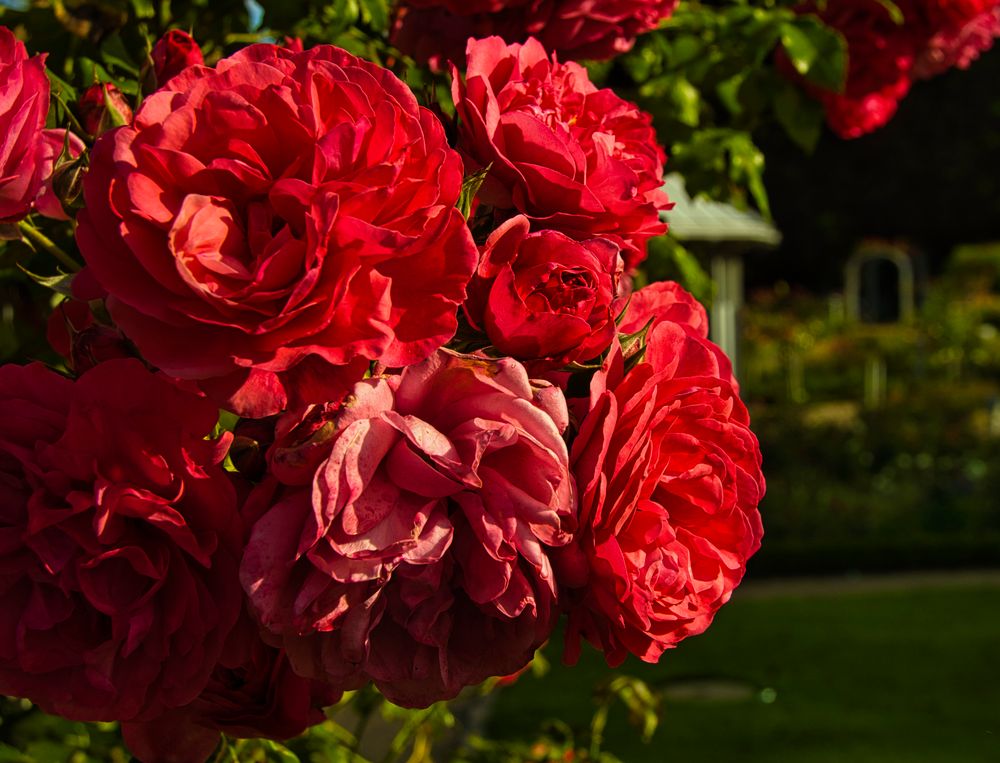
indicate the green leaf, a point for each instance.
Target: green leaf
{"x":894,"y":11}
{"x":817,"y":52}
{"x":114,"y":54}
{"x":61,"y":283}
{"x":635,"y":343}
{"x":687,"y":101}
{"x":800,"y":115}
{"x":729,"y":92}
{"x":470,"y":187}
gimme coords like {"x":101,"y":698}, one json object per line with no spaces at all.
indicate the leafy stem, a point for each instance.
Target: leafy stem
{"x":41,"y":241}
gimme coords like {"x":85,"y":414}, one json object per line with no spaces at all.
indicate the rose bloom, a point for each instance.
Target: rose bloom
{"x":173,"y":53}
{"x":881,"y":55}
{"x":961,"y":42}
{"x":669,"y":478}
{"x":544,"y":298}
{"x":570,"y":157}
{"x":270,"y":226}
{"x":436,"y":31}
{"x":419,"y":557}
{"x":119,"y":542}
{"x":24,"y":104}
{"x":252,"y":692}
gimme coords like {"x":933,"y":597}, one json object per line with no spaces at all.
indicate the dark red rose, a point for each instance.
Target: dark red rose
{"x":669,"y":478}
{"x":252,"y":692}
{"x":103,"y":106}
{"x":119,"y":542}
{"x":173,"y":53}
{"x":270,"y":226}
{"x":570,"y":157}
{"x":419,"y":557}
{"x":436,"y":31}
{"x":544,"y":298}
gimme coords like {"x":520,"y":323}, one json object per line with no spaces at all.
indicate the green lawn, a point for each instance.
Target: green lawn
{"x":857,"y":677}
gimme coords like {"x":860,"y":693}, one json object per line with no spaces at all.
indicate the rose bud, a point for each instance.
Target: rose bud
{"x":251,"y":439}
{"x":173,"y":53}
{"x":103,"y":106}
{"x":84,"y":343}
{"x":63,"y":155}
{"x":67,"y":183}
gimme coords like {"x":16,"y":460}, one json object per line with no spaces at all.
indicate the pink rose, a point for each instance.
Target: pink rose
{"x":269,"y":227}
{"x":436,"y":31}
{"x":570,"y":157}
{"x":173,"y":53}
{"x":119,"y":542}
{"x":669,"y":477}
{"x":419,"y":558}
{"x":24,"y":104}
{"x":544,"y":298}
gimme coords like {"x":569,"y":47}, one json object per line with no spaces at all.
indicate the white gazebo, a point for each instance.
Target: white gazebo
{"x":725,"y":234}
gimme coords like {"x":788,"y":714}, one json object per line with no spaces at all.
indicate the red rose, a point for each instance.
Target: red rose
{"x":173,"y":53}
{"x":545,"y":298}
{"x":253,"y":692}
{"x":270,"y":226}
{"x":436,"y":31}
{"x":420,"y":557}
{"x":24,"y":104}
{"x":569,"y":156}
{"x":881,"y":54}
{"x":119,"y":542}
{"x":959,"y":43}
{"x":103,"y":106}
{"x":669,"y":478}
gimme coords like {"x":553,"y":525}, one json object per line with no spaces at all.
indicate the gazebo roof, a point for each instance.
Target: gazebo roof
{"x":704,"y":220}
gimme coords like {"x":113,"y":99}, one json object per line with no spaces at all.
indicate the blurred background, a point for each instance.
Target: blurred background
{"x":868,"y":626}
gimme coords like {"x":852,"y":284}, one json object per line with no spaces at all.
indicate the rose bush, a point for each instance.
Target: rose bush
{"x":436,"y":31}
{"x":119,"y":542}
{"x":544,"y":298}
{"x":419,"y":557}
{"x":570,"y":157}
{"x":270,"y":226}
{"x":669,"y":479}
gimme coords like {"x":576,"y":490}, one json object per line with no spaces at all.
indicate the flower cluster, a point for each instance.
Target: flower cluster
{"x":444,"y":441}
{"x":435,"y":31}
{"x":886,"y":54}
